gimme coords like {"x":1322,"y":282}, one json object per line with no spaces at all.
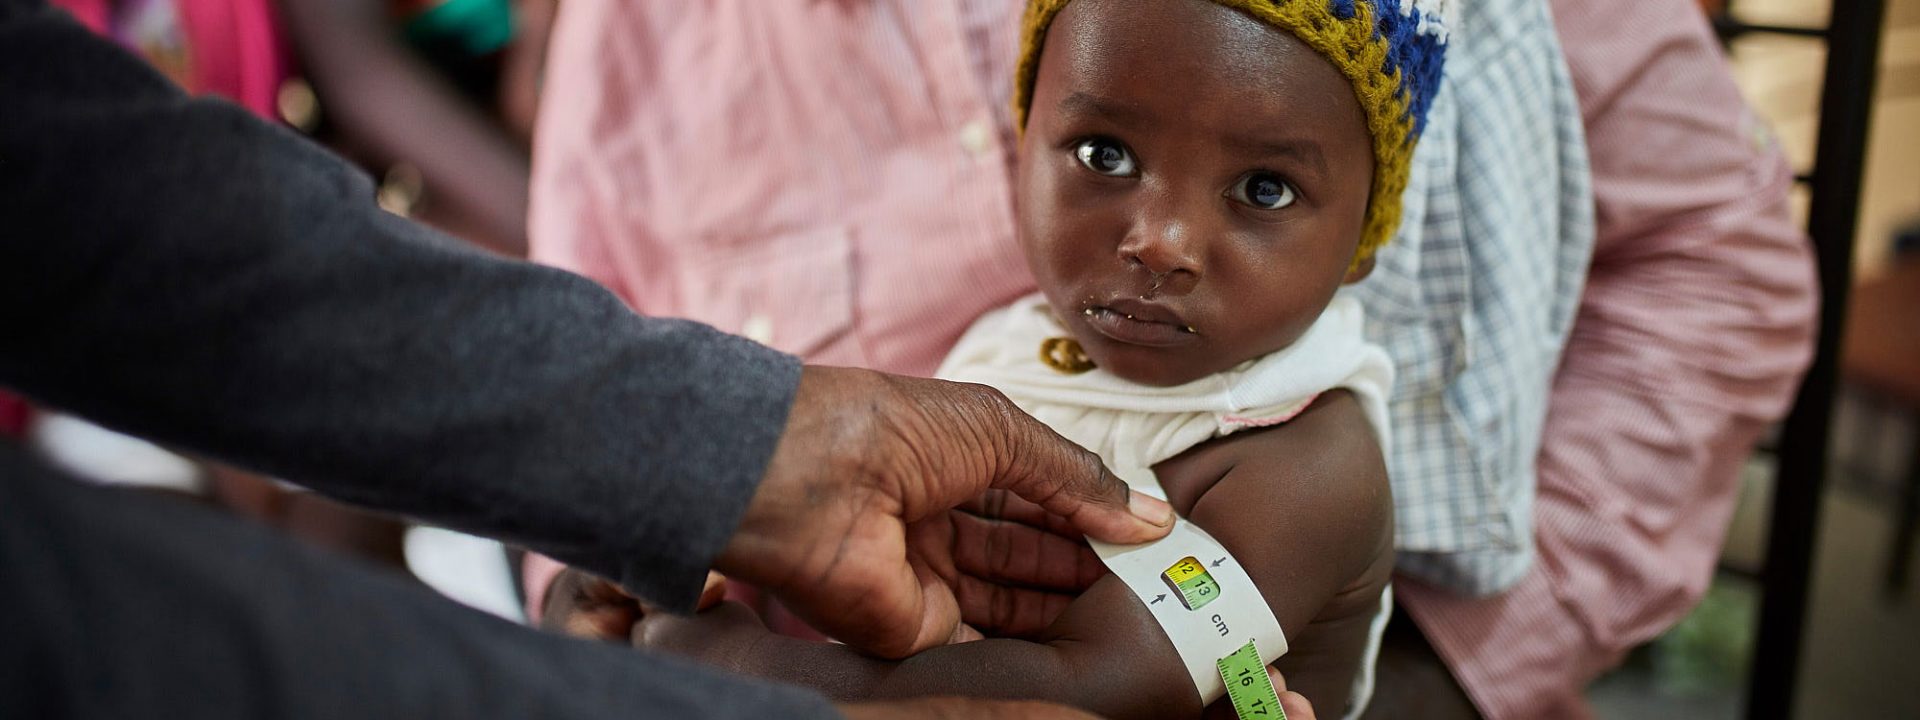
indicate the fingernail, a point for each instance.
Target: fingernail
{"x":1149,"y":508}
{"x":964,"y":633}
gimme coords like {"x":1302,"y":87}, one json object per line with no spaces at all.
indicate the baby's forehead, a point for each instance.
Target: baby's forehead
{"x":1187,"y":62}
{"x":1198,"y":44}
{"x":1188,"y":36}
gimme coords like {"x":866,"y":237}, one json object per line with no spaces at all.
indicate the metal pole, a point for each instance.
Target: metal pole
{"x":1853,"y":50}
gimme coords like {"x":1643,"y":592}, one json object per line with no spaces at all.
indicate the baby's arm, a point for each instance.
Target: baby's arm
{"x":1307,"y":509}
{"x":1304,"y":507}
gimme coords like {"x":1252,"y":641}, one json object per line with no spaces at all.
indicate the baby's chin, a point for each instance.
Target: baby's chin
{"x":1156,"y":367}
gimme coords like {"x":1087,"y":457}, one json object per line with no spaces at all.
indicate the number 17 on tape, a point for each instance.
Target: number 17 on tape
{"x":1248,"y":685}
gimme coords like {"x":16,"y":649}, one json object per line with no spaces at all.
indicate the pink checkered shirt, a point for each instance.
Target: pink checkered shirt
{"x":834,"y":179}
{"x":1694,"y":328}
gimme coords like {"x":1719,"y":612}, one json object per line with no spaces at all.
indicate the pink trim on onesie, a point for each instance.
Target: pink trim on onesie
{"x":1247,"y":422}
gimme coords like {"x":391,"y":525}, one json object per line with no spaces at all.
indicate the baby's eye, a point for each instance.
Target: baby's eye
{"x":1106,"y":157}
{"x":1263,"y":190}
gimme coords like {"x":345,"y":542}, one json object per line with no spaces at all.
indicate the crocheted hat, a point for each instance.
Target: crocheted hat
{"x":1390,"y":50}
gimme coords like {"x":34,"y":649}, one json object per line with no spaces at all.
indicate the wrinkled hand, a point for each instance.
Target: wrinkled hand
{"x":1013,"y":568}
{"x":1012,"y":565}
{"x":863,"y":455}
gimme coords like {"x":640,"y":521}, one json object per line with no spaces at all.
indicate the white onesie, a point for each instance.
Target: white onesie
{"x":1132,"y":427}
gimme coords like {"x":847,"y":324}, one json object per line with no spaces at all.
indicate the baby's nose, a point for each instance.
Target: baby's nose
{"x":1169,"y":252}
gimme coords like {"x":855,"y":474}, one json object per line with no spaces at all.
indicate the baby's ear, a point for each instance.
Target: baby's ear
{"x":1359,"y":271}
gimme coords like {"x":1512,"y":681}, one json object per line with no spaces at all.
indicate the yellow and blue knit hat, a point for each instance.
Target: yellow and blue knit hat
{"x":1391,"y":50}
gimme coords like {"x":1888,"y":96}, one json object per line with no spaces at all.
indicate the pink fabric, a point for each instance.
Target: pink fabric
{"x":234,"y":48}
{"x":833,"y":178}
{"x":238,"y":51}
{"x":91,"y":13}
{"x":536,"y":574}
{"x":808,"y":170}
{"x":1695,"y":326}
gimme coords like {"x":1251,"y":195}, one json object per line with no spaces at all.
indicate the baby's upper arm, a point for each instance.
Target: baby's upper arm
{"x":1305,"y":507}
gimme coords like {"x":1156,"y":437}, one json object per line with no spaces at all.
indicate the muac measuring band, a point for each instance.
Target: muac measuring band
{"x":1208,"y":606}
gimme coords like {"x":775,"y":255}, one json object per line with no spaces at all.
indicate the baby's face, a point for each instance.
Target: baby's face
{"x":1192,"y":186}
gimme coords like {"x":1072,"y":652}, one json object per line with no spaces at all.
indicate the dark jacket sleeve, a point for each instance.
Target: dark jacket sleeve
{"x":119,"y":603}
{"x":180,"y":270}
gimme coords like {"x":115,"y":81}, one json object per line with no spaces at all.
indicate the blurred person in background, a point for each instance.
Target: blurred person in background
{"x":229,"y":48}
{"x":438,"y":97}
{"x":435,"y":97}
{"x":786,"y":171}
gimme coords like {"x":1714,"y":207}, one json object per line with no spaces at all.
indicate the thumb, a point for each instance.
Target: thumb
{"x":1293,"y":705}
{"x":1067,"y":480}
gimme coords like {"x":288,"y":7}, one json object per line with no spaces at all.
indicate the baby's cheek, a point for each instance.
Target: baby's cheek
{"x":1050,"y":253}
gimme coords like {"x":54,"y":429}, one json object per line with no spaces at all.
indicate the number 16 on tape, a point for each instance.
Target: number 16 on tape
{"x":1248,"y":685}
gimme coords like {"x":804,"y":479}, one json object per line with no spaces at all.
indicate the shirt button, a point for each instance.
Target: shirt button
{"x":977,"y":138}
{"x":758,"y":328}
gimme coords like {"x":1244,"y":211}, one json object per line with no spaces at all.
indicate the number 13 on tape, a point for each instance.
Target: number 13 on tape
{"x":1192,"y":582}
{"x":1248,"y":685}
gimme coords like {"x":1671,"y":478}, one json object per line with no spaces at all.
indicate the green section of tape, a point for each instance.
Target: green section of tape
{"x":1248,"y":685}
{"x":1197,"y":591}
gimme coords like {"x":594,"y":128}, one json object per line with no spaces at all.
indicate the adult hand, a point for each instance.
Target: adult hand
{"x":863,"y":455}
{"x":1013,"y":568}
{"x":1293,"y":704}
{"x":1012,"y":565}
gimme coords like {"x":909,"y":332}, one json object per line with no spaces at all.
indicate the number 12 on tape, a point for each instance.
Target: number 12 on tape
{"x":1248,"y":685}
{"x":1191,"y":581}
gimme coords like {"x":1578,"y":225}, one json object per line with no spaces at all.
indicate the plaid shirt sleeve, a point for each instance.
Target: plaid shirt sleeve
{"x":1690,"y":336}
{"x":1475,"y":296}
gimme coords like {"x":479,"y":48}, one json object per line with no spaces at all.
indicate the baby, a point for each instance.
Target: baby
{"x":1197,"y":180}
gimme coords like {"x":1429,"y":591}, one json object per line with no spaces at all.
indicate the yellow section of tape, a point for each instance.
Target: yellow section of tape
{"x":1187,"y":569}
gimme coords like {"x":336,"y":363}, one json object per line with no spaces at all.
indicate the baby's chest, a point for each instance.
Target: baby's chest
{"x":1127,"y":441}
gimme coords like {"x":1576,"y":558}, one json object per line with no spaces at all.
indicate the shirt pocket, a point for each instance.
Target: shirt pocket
{"x":793,"y":291}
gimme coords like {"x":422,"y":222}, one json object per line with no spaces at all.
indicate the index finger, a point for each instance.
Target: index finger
{"x":1070,"y":482}
{"x":1000,"y":505}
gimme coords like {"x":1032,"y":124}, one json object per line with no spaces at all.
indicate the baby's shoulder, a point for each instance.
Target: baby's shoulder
{"x":1331,"y":438}
{"x":1334,"y":427}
